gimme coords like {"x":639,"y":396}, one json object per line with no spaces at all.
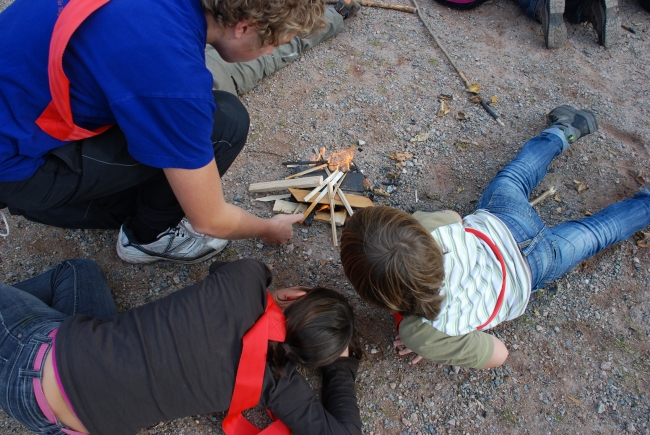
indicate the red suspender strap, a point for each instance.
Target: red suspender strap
{"x":502,"y":292}
{"x":56,"y":119}
{"x":398,"y":319}
{"x":250,"y":373}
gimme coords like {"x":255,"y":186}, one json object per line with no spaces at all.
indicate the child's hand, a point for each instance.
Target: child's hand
{"x":403,"y":350}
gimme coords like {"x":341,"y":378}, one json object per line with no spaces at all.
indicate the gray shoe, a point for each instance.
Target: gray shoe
{"x":550,"y":14}
{"x":180,"y":245}
{"x":573,"y":122}
{"x":603,"y":15}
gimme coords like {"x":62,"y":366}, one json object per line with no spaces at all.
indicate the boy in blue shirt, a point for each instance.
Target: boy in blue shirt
{"x":139,"y":66}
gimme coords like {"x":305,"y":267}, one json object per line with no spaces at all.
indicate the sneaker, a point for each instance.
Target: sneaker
{"x":347,"y":8}
{"x":550,"y":14}
{"x":4,"y":219}
{"x":575,"y":123}
{"x":603,"y":15}
{"x":180,"y":245}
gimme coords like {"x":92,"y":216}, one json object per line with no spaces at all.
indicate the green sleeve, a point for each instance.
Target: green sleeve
{"x":433,"y":220}
{"x":470,"y":350}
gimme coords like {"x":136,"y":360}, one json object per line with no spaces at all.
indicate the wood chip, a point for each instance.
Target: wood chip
{"x":270,"y":186}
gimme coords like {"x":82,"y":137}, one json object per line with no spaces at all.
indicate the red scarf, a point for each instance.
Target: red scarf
{"x":250,"y":374}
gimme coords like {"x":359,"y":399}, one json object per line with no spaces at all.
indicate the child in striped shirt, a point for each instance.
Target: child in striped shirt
{"x":447,"y":278}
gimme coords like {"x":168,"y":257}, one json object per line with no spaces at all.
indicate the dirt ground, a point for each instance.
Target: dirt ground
{"x":579,"y":357}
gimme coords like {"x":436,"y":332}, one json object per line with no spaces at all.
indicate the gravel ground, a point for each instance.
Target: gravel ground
{"x":579,"y":356}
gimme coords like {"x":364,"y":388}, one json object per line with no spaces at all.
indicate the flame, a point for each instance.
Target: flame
{"x":321,"y":154}
{"x":341,"y":159}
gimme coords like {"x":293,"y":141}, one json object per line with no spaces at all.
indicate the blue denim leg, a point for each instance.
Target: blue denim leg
{"x":73,"y":287}
{"x":507,"y":198}
{"x":580,"y":239}
{"x":25,"y":323}
{"x":528,"y":7}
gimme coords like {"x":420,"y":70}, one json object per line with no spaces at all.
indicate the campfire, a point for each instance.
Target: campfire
{"x":327,"y":179}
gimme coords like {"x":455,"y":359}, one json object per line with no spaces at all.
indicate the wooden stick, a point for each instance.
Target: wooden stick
{"x":269,"y":186}
{"x":333,"y":177}
{"x":543,"y":196}
{"x":315,"y":168}
{"x":356,"y":201}
{"x":313,"y":204}
{"x":274,"y":197}
{"x":382,"y":5}
{"x":342,"y":197}
{"x":330,"y":190}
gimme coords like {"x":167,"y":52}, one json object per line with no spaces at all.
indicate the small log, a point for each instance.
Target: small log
{"x":330,"y":191}
{"x":270,"y":186}
{"x":284,"y":207}
{"x":543,"y":196}
{"x":315,"y":168}
{"x":355,"y":201}
{"x":324,"y":217}
{"x":273,"y":197}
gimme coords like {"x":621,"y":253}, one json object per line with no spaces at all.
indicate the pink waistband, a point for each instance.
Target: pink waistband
{"x":38,"y":387}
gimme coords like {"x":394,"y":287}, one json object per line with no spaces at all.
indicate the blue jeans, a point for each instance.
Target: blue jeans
{"x":553,"y":251}
{"x":29,"y":311}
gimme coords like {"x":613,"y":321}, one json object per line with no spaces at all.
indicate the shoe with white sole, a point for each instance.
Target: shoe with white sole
{"x":180,"y":244}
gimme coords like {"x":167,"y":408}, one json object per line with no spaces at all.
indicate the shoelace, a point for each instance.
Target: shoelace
{"x":4,"y":219}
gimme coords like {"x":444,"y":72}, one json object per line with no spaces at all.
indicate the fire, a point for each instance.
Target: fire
{"x":341,"y":160}
{"x":321,"y":154}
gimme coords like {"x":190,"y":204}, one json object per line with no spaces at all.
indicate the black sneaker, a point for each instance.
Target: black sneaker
{"x":550,"y":14}
{"x":347,"y":8}
{"x":573,"y":122}
{"x":603,"y":15}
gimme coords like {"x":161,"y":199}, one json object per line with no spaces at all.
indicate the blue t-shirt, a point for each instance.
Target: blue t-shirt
{"x":139,"y":64}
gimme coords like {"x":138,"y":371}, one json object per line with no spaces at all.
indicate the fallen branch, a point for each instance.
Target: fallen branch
{"x":381,"y":5}
{"x":330,"y":190}
{"x":543,"y":196}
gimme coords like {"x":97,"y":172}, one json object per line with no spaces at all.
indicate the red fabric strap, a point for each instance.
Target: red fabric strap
{"x":502,"y":292}
{"x":56,"y":120}
{"x":250,"y":373}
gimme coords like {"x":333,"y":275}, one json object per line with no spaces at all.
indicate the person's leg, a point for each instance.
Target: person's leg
{"x":72,"y":287}
{"x":577,"y":240}
{"x":550,"y":14}
{"x":241,"y":77}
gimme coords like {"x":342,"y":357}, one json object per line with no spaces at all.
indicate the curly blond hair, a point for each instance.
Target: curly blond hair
{"x":275,"y":19}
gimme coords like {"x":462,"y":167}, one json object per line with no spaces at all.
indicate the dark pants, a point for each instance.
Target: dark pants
{"x":95,"y":183}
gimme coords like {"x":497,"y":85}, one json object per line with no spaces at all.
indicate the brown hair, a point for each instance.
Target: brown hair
{"x":393,"y":262}
{"x":275,"y":19}
{"x":320,"y":326}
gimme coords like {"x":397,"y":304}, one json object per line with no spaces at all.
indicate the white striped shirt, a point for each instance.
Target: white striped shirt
{"x":473,"y":276}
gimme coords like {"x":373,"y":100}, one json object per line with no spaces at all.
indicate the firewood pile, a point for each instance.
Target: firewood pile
{"x":325,"y":190}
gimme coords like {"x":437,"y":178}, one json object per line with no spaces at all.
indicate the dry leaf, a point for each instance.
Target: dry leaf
{"x":494,"y":100}
{"x":399,"y":164}
{"x":644,"y":239}
{"x":446,"y":97}
{"x":323,"y":262}
{"x":573,"y":399}
{"x":557,"y":197}
{"x":475,"y":99}
{"x":400,"y":157}
{"x":462,"y":146}
{"x":461,"y":116}
{"x":381,"y":192}
{"x":639,"y":179}
{"x":580,"y":186}
{"x":422,"y":137}
{"x":444,"y":108}
{"x":460,"y":189}
{"x":473,"y":88}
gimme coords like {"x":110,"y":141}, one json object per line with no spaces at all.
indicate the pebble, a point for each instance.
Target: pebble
{"x":452,"y":422}
{"x":606,"y":365}
{"x":361,"y":142}
{"x":539,"y":328}
{"x":601,"y":407}
{"x":238,"y":197}
{"x":392,"y":385}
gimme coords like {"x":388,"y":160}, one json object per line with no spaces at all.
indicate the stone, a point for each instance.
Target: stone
{"x":606,"y":365}
{"x":601,"y":407}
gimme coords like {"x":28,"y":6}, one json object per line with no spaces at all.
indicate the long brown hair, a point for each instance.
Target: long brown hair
{"x":393,"y":262}
{"x":320,"y":326}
